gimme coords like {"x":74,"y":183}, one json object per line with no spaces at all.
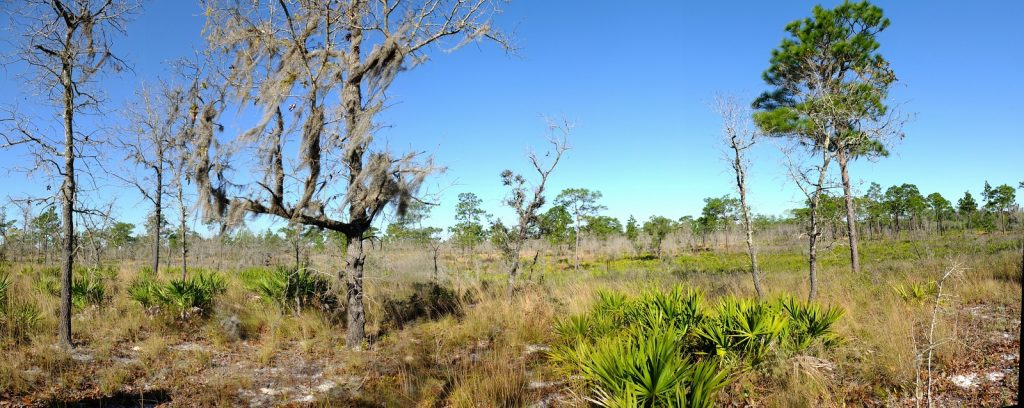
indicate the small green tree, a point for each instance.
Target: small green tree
{"x":581,"y":203}
{"x":718,"y":213}
{"x":940,"y":208}
{"x":120,"y":234}
{"x":554,"y":226}
{"x":874,"y":204}
{"x":602,"y":227}
{"x":468,"y":231}
{"x":966,"y":207}
{"x":45,"y":228}
{"x":1000,"y":202}
{"x":904,"y":202}
{"x":409,"y":226}
{"x":633,"y":233}
{"x":657,"y":228}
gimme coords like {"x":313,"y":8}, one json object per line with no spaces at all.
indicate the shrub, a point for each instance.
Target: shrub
{"x":915,"y":292}
{"x":185,"y":298}
{"x":5,"y":287}
{"x":810,"y":325}
{"x":18,"y":320}
{"x":429,"y":300}
{"x":664,"y":348}
{"x":292,"y":289}
{"x":144,"y":291}
{"x":86,"y":289}
{"x":742,"y":330}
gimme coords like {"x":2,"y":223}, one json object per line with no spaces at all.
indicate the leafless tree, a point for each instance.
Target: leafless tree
{"x":66,"y":43}
{"x":97,"y":224}
{"x":289,"y":59}
{"x":739,"y":135}
{"x":813,"y":182}
{"x":155,"y":121}
{"x":526,"y":200}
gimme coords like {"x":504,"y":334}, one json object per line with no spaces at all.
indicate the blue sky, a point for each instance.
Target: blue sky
{"x":637,"y":79}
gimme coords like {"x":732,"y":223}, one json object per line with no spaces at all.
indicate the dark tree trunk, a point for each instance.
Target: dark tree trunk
{"x":68,"y":191}
{"x":354,"y":260}
{"x":158,"y":210}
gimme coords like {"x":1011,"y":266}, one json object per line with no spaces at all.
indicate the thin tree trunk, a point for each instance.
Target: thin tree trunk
{"x":851,"y":213}
{"x":741,"y":184}
{"x":68,"y":191}
{"x":814,"y":233}
{"x":576,"y":254}
{"x":158,"y":210}
{"x":182,"y":231}
{"x":355,"y":258}
{"x":513,"y":271}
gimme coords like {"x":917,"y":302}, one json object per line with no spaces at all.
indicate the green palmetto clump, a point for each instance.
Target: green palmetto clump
{"x":144,"y":291}
{"x":293,"y":289}
{"x":87,"y":289}
{"x":18,"y":320}
{"x":742,"y":330}
{"x":666,"y":349}
{"x":5,"y":287}
{"x":810,"y":324}
{"x":183,"y":297}
{"x":916,"y":292}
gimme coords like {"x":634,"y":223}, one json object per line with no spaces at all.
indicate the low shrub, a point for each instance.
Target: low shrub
{"x":667,"y":349}
{"x":427,"y":300}
{"x":292,"y":289}
{"x":86,"y":289}
{"x":18,"y":320}
{"x":183,"y":297}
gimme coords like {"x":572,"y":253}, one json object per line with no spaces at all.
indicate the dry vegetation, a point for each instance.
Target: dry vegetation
{"x":462,"y":342}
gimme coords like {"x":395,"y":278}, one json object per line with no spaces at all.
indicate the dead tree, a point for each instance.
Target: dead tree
{"x":739,"y":136}
{"x":813,"y":182}
{"x":97,"y":223}
{"x":526,"y":200}
{"x":155,"y":119}
{"x":65,"y":43}
{"x":291,"y":60}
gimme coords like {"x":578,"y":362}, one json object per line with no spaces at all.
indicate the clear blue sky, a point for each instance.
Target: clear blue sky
{"x":637,"y":79}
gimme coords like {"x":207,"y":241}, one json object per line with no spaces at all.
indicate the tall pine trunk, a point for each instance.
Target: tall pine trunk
{"x":68,"y":191}
{"x":851,"y":211}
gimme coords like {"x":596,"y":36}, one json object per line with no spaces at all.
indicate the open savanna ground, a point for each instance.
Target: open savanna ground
{"x":460,"y":340}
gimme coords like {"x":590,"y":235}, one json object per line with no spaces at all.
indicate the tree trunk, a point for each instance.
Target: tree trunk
{"x":815,"y":232}
{"x":576,"y":254}
{"x":158,"y":210}
{"x":851,"y":213}
{"x":354,"y":260}
{"x":182,"y":231}
{"x":436,"y":249}
{"x":741,"y":184}
{"x":68,"y":191}
{"x":812,"y":244}
{"x":512,"y":273}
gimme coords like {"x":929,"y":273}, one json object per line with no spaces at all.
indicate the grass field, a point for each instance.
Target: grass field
{"x":463,"y":342}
